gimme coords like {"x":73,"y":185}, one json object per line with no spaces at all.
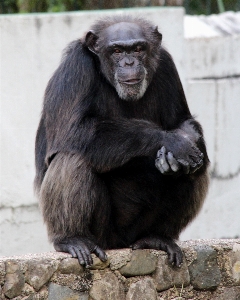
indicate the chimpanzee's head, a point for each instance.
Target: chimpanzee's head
{"x":128,"y":53}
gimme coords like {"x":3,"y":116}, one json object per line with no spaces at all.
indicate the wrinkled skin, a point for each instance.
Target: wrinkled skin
{"x":126,"y":50}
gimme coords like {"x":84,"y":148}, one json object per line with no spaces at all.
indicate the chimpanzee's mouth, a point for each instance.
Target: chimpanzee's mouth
{"x":131,"y":81}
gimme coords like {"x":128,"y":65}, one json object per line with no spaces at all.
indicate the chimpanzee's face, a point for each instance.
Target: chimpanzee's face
{"x":122,"y":50}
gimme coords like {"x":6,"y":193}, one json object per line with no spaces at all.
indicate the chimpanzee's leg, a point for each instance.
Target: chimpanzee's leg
{"x":181,"y":200}
{"x":151,"y":209}
{"x":75,"y":206}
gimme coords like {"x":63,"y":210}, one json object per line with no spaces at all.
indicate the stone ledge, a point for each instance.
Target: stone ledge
{"x":211,"y":270}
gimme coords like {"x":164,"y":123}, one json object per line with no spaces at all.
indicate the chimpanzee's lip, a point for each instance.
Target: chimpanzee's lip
{"x":131,"y":81}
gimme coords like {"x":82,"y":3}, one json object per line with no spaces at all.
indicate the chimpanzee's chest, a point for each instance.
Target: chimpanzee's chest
{"x":135,"y":190}
{"x":147,"y":108}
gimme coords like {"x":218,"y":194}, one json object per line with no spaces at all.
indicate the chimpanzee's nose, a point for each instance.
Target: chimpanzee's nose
{"x":129,"y":62}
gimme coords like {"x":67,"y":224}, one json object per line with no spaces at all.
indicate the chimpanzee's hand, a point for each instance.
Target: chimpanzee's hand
{"x":166,"y":163}
{"x":179,"y":156}
{"x":175,"y":255}
{"x":81,"y":248}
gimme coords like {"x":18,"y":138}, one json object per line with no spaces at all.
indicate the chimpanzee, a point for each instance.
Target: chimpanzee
{"x":120,"y":160}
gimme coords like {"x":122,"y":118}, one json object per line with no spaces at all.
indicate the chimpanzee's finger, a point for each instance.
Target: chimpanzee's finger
{"x":72,"y":251}
{"x":185,"y":166}
{"x":100,"y":253}
{"x":81,"y":260}
{"x":173,"y":162}
{"x":158,"y":154}
{"x":195,"y":167}
{"x":163,"y":160}
{"x":159,"y":166}
{"x":86,"y":255}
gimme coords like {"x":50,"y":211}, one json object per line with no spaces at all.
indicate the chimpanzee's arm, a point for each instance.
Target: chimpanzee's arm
{"x":115,"y":142}
{"x":75,"y":121}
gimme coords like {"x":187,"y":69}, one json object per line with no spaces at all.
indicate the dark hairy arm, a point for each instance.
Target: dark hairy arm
{"x":115,"y":142}
{"x":73,"y":121}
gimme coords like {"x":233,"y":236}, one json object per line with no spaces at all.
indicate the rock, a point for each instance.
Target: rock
{"x":162,"y":275}
{"x":81,"y":283}
{"x":236,"y":272}
{"x":119,"y":258}
{"x":13,"y":285}
{"x":235,"y":261}
{"x":39,"y":272}
{"x":70,"y":266}
{"x":229,"y":263}
{"x":143,"y":289}
{"x":108,"y":287}
{"x":29,"y":297}
{"x":142,"y":262}
{"x":14,"y":280}
{"x":28,"y":290}
{"x":58,"y":292}
{"x":2,"y":273}
{"x":98,"y":264}
{"x":1,"y":293}
{"x":166,"y":276}
{"x":229,"y":293}
{"x":41,"y":295}
{"x":180,"y":276}
{"x":204,"y":271}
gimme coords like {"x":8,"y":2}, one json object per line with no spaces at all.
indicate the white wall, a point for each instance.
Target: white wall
{"x":217,"y":106}
{"x":213,"y":92}
{"x":31,"y":47}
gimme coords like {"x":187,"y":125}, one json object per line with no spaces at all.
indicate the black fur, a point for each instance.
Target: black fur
{"x":95,"y":156}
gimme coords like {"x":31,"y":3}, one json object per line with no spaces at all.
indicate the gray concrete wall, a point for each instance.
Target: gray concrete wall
{"x":31,"y":47}
{"x":212,"y":62}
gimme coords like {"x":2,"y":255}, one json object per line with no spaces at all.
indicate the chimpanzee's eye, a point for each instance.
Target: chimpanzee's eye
{"x":138,"y":49}
{"x":117,"y":50}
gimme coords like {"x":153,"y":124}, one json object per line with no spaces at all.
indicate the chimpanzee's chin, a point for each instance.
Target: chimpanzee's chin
{"x":133,"y":93}
{"x":132,"y":98}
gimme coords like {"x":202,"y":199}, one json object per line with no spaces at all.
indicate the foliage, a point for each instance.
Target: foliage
{"x":191,"y":6}
{"x":23,"y":6}
{"x":208,"y":7}
{"x":8,"y":6}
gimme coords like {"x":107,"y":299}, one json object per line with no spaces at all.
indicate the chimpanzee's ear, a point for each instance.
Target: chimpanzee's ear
{"x":157,"y":34}
{"x":91,"y":42}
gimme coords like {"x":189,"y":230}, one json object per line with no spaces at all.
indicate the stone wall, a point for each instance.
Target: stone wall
{"x":211,"y":270}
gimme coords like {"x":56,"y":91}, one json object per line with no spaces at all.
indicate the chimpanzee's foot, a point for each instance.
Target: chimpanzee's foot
{"x":81,"y":248}
{"x":174,"y":252}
